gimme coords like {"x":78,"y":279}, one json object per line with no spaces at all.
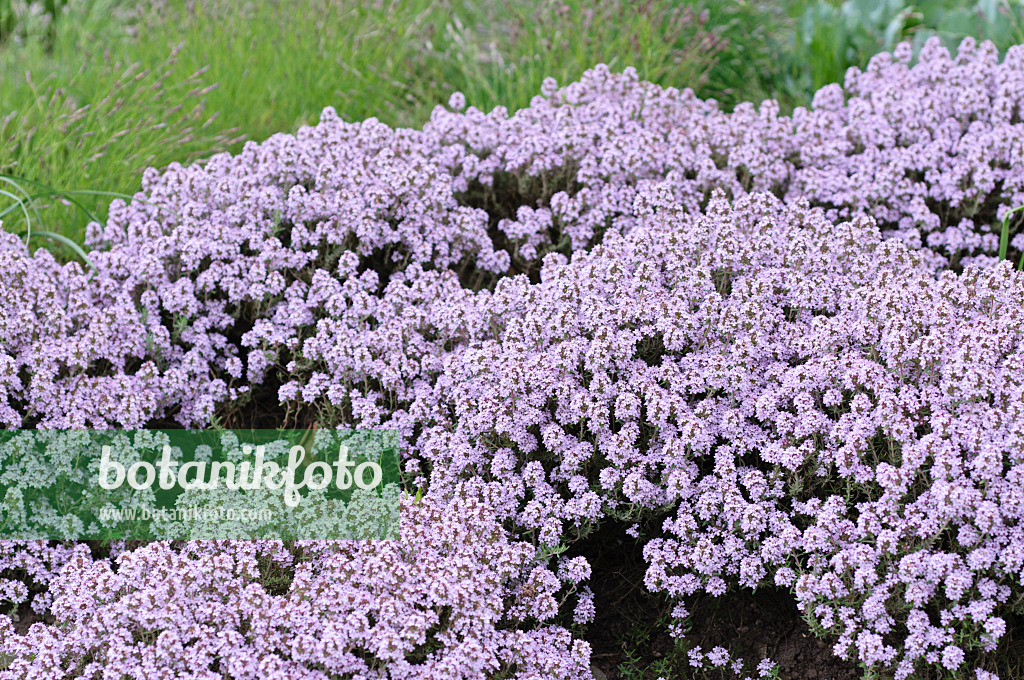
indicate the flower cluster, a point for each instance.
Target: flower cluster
{"x":306,"y":265}
{"x":817,"y":410}
{"x":932,"y":151}
{"x":453,"y":599}
{"x":786,"y":336}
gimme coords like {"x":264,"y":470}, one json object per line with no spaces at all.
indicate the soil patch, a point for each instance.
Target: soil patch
{"x":630,"y":638}
{"x":26,"y":616}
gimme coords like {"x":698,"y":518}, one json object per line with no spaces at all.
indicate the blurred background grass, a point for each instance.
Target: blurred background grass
{"x":94,"y":91}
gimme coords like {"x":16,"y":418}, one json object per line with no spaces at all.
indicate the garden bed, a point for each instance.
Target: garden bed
{"x":680,"y":391}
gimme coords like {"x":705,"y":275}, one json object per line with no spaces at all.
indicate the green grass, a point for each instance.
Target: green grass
{"x":499,"y":53}
{"x":1004,"y":235}
{"x":76,"y":115}
{"x":94,"y":91}
{"x":107,"y":89}
{"x":20,"y":19}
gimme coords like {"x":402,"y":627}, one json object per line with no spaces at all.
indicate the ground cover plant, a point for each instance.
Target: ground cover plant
{"x":781,"y":352}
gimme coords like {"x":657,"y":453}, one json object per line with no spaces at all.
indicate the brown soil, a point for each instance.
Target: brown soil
{"x":26,"y":616}
{"x":630,"y":638}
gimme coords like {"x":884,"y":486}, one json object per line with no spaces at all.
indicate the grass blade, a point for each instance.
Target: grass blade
{"x":70,"y":244}
{"x":20,"y":204}
{"x":1004,"y":237}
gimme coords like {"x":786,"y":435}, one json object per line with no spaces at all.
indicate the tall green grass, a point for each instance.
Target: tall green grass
{"x":499,"y":53}
{"x":109,"y":87}
{"x":279,"y":63}
{"x":94,"y":91}
{"x":21,"y":19}
{"x":79,"y":113}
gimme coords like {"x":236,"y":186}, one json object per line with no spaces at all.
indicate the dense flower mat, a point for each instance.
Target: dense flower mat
{"x":788,"y":336}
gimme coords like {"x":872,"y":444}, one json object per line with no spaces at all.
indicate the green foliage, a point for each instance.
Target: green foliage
{"x":94,"y":91}
{"x":94,"y":126}
{"x":20,"y":19}
{"x":1001,"y":21}
{"x":751,"y":35}
{"x":498,"y":54}
{"x":829,"y":37}
{"x":1004,"y":236}
{"x":92,"y":94}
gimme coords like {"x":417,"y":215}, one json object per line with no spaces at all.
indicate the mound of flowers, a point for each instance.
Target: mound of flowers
{"x":816,"y":408}
{"x":451,"y":600}
{"x":785,"y":338}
